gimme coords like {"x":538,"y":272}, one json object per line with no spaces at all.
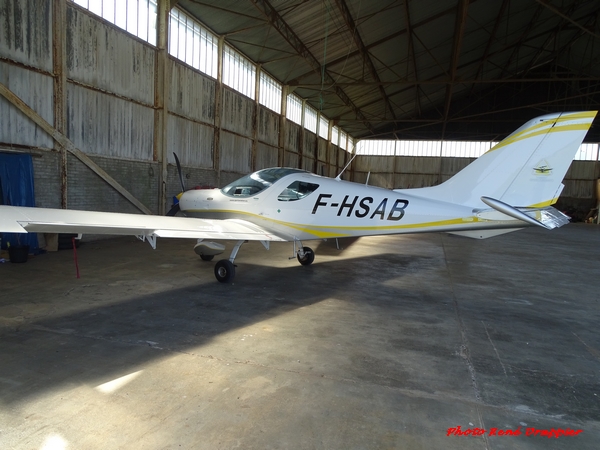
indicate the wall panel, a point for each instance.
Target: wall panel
{"x":238,"y":113}
{"x":236,"y":153}
{"x":266,"y":156}
{"x":268,"y":126}
{"x":310,"y":144}
{"x":104,"y":125}
{"x":107,"y":58}
{"x":193,"y":142}
{"x":290,"y":159}
{"x":26,"y":32}
{"x":192,"y":94}
{"x":35,"y":89}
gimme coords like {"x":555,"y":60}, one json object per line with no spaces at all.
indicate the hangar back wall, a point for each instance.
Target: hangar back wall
{"x":102,"y":88}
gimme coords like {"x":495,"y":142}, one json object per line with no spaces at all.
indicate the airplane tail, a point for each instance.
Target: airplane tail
{"x":525,"y":169}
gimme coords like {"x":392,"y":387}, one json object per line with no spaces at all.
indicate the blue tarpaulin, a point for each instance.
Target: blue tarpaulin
{"x":16,"y":186}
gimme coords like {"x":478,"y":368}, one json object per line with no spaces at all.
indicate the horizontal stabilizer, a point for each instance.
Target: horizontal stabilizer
{"x":546,"y":217}
{"x":513,"y":212}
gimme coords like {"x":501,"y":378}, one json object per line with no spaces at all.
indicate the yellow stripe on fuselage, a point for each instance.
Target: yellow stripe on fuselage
{"x":331,"y":231}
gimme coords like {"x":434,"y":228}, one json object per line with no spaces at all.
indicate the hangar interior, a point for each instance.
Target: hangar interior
{"x":307,"y":80}
{"x":97,"y":99}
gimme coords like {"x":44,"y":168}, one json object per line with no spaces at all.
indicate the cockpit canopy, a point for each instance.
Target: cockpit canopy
{"x":257,"y":182}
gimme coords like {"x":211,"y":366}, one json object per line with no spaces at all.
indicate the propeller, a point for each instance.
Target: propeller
{"x":175,"y":209}
{"x":179,"y":172}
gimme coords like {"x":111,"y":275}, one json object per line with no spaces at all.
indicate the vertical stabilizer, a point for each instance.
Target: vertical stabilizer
{"x":524,"y":169}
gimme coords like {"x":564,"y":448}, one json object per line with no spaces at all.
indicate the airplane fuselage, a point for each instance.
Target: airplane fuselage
{"x":334,"y":208}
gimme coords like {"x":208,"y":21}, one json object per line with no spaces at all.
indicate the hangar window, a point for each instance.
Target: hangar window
{"x":343,"y":141}
{"x":238,"y":72}
{"x":587,"y":152}
{"x":296,"y":191}
{"x":323,"y":127}
{"x":310,"y":118}
{"x":137,"y":17}
{"x":464,"y":149}
{"x":335,"y":135}
{"x":192,"y":43}
{"x":294,"y":109}
{"x":269,"y":93}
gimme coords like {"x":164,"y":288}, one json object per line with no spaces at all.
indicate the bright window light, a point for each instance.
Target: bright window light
{"x":587,"y":152}
{"x":294,"y":109}
{"x":323,"y":127}
{"x":137,"y":17}
{"x":192,"y":43}
{"x":238,"y":72}
{"x":343,"y":141}
{"x":335,"y":135}
{"x":269,"y":93}
{"x":310,"y":118}
{"x":461,"y":149}
{"x":456,"y":149}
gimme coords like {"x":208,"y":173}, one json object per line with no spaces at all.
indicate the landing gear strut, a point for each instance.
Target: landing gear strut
{"x":305,"y":255}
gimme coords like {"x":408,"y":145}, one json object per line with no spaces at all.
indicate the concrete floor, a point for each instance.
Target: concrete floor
{"x":386,"y":343}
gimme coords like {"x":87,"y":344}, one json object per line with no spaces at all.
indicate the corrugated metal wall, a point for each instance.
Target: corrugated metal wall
{"x":110,"y":110}
{"x":27,"y":33}
{"x":35,"y":89}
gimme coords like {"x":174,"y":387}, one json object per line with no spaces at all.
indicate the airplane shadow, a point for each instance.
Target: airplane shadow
{"x":100,"y":341}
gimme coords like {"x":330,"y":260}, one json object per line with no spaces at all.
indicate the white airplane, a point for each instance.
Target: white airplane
{"x":509,"y":187}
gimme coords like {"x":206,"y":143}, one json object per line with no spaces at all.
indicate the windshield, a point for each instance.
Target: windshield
{"x":257,"y":182}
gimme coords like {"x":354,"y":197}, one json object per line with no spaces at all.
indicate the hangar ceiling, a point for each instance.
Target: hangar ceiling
{"x":421,"y":69}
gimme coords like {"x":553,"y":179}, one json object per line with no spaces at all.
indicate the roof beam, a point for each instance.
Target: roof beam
{"x":343,"y":7}
{"x":456,"y":81}
{"x":459,"y":31}
{"x":378,"y":43}
{"x":288,"y":34}
{"x":566,"y":17}
{"x":412,"y":55}
{"x":492,"y":38}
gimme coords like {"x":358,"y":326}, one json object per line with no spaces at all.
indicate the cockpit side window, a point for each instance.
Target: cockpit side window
{"x":296,"y":191}
{"x":256,"y":182}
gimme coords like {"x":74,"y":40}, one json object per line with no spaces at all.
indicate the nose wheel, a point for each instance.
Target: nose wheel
{"x":305,"y":256}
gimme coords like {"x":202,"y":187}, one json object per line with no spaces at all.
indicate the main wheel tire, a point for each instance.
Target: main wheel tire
{"x":309,"y":256}
{"x":207,"y":257}
{"x":224,"y":271}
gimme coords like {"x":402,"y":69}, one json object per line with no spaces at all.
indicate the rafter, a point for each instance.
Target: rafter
{"x":567,"y":18}
{"x":412,"y":54}
{"x":379,"y":42}
{"x":288,"y":34}
{"x":341,"y":4}
{"x":459,"y":31}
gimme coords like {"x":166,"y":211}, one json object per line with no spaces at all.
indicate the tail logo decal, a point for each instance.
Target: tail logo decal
{"x":542,"y":168}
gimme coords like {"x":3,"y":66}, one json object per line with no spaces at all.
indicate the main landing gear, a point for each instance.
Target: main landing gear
{"x":225,"y":268}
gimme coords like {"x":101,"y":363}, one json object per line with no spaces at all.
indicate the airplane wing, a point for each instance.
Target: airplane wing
{"x":18,"y":219}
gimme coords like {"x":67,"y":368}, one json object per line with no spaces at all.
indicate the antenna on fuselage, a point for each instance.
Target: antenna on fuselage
{"x":368,"y":175}
{"x":344,"y":169}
